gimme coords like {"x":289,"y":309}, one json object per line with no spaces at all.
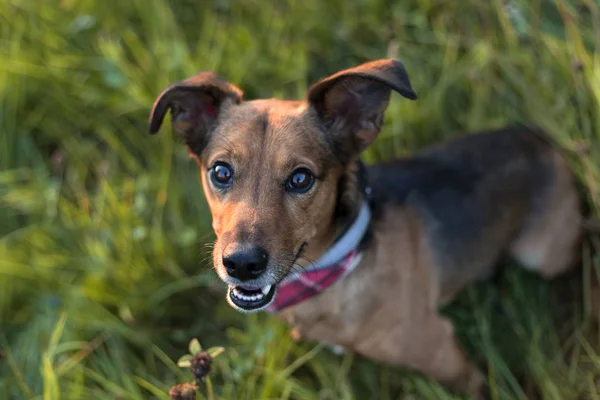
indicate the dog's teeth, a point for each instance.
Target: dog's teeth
{"x":237,"y":293}
{"x":266,"y":289}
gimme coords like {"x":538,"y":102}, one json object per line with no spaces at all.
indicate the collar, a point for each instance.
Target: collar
{"x":334,"y":264}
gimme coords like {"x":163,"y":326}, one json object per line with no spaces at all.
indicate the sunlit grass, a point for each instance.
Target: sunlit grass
{"x":104,"y":272}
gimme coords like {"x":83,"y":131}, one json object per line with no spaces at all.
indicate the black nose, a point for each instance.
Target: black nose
{"x":246,"y":264}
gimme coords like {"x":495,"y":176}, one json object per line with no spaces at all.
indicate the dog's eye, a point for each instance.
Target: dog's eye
{"x":300,"y":181}
{"x":221,"y":175}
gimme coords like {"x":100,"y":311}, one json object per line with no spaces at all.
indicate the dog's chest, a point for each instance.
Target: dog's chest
{"x":376,"y":297}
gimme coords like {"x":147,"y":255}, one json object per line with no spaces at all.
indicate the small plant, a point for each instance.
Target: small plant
{"x":200,"y":365}
{"x":199,"y":362}
{"x":183,"y":391}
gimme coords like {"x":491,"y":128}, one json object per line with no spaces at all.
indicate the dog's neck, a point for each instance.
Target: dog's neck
{"x":353,"y":195}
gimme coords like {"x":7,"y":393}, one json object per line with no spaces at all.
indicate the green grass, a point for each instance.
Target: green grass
{"x":103,"y":269}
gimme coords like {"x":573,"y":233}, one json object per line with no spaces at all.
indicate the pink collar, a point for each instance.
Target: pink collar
{"x":334,"y":265}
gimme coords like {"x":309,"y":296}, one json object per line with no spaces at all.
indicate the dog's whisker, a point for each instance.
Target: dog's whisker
{"x":227,"y":145}
{"x":206,"y":254}
{"x":295,"y":271}
{"x":206,"y":236}
{"x":308,"y":260}
{"x":206,"y":260}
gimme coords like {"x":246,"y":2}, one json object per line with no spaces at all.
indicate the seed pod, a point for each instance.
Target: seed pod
{"x":184,"y":391}
{"x":200,"y":365}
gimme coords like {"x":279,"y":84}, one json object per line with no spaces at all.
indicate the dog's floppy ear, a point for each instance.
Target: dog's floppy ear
{"x":351,"y":103}
{"x":195,"y":104}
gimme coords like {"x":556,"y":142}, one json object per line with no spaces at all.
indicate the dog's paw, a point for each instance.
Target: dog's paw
{"x":295,"y":334}
{"x":476,"y":386}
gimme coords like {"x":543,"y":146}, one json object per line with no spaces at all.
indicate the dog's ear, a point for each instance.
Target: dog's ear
{"x":195,"y":104}
{"x":351,"y":103}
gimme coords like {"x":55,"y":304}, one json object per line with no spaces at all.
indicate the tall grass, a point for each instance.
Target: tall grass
{"x":104,"y":275}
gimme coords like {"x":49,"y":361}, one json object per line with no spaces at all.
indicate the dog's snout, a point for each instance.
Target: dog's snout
{"x":246,"y":264}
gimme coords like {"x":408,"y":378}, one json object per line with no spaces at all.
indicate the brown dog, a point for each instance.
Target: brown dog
{"x":358,"y":257}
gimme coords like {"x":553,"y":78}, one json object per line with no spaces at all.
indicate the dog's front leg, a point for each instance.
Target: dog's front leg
{"x":445,"y":359}
{"x":428,"y":345}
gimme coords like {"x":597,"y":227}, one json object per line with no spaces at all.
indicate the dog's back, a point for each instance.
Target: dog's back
{"x":481,"y":195}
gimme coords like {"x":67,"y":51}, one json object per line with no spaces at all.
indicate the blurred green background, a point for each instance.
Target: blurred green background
{"x":104,"y":268}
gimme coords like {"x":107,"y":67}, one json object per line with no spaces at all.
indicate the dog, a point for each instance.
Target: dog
{"x":364,"y":256}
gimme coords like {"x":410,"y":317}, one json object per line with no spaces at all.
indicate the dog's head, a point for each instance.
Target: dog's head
{"x":272,"y":170}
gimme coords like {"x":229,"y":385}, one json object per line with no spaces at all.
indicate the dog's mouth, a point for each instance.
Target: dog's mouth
{"x":251,"y":298}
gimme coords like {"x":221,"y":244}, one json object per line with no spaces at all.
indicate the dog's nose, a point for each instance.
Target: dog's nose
{"x":246,"y":264}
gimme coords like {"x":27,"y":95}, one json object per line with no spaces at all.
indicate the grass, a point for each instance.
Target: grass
{"x":104,"y":277}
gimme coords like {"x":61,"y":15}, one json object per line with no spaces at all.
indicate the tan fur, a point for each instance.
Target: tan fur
{"x":549,"y":241}
{"x":255,"y":207}
{"x":387,"y":309}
